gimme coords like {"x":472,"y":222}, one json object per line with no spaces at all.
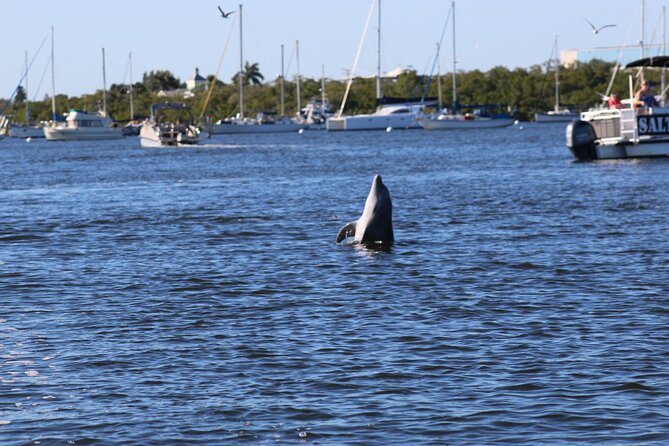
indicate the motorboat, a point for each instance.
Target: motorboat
{"x":393,"y":115}
{"x":81,"y":125}
{"x":316,"y":113}
{"x":627,"y":132}
{"x":170,"y":125}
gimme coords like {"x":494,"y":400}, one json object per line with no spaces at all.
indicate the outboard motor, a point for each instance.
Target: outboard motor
{"x":581,"y":139}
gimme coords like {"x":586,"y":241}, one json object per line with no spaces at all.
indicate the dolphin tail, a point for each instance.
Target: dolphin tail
{"x":347,"y":231}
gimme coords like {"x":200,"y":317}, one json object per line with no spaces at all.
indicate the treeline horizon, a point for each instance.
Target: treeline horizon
{"x":521,"y":90}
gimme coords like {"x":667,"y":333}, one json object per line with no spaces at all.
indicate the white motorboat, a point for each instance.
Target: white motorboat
{"x":396,"y":116}
{"x":82,"y":125}
{"x":170,"y":125}
{"x":628,"y":132}
{"x":390,"y":112}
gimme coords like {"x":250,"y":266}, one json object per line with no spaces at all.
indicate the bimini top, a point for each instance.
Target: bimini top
{"x":657,"y":62}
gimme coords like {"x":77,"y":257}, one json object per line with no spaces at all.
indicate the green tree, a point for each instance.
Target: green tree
{"x":154,"y":81}
{"x":252,"y":75}
{"x":20,"y":95}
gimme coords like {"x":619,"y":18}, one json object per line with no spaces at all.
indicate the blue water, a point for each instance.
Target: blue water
{"x":196,"y":295}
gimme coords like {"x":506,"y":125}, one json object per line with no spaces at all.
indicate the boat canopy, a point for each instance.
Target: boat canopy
{"x":657,"y":62}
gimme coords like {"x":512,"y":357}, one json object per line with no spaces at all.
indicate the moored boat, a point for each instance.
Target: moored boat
{"x":264,"y":123}
{"x":170,"y":125}
{"x":564,"y":115}
{"x":391,"y":113}
{"x":401,"y":115}
{"x":557,"y":114}
{"x":26,"y":131}
{"x":81,"y":126}
{"x":629,"y":132}
{"x":478,"y":119}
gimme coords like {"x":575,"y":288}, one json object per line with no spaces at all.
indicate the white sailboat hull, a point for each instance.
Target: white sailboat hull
{"x":19,"y":131}
{"x":430,"y":123}
{"x":229,"y":128}
{"x":373,"y":122}
{"x":81,"y":134}
{"x":555,"y":117}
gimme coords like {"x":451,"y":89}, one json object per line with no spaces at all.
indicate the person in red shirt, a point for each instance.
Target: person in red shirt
{"x":614,"y":101}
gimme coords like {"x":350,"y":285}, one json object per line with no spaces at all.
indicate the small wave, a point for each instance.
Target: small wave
{"x":633,"y":387}
{"x":21,"y":238}
{"x":526,"y":387}
{"x":524,"y":266}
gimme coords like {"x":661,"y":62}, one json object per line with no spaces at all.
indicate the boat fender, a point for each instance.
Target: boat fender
{"x":581,"y":139}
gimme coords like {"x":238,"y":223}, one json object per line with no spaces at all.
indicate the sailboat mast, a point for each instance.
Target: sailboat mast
{"x":557,"y":76}
{"x":104,"y":84}
{"x":323,"y":85}
{"x":283,"y":98}
{"x":439,"y":96}
{"x":241,"y":67}
{"x":132,"y":104}
{"x":53,"y":79}
{"x":299,"y":79}
{"x":455,"y":89}
{"x":378,"y":56}
{"x":643,"y":31}
{"x":664,"y":51}
{"x":25,"y":90}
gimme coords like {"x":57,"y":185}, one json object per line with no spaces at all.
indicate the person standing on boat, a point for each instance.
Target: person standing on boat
{"x":644,"y":97}
{"x":614,"y":101}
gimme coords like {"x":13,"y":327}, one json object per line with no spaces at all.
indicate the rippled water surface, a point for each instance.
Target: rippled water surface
{"x":196,"y":295}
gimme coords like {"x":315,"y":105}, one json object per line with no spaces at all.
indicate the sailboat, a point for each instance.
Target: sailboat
{"x":480,"y":117}
{"x":81,"y":125}
{"x":395,"y":113}
{"x":557,"y":114}
{"x":264,"y":122}
{"x":26,"y":130}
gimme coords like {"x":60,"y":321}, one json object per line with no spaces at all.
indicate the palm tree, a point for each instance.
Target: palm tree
{"x":252,"y":75}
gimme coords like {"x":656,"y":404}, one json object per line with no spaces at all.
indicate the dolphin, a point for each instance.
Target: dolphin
{"x":376,"y":222}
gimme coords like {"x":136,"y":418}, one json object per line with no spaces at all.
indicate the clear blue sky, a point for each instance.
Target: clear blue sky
{"x":179,"y":36}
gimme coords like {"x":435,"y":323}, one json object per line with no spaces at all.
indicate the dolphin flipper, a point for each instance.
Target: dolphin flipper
{"x":347,"y":231}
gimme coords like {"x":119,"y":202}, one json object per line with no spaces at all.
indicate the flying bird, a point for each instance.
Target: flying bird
{"x":596,"y":30}
{"x":225,"y":14}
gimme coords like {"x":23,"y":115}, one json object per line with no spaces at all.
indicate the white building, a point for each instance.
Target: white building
{"x":195,"y":81}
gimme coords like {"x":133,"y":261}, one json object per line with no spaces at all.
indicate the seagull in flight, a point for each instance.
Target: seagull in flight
{"x":225,"y":14}
{"x":596,"y":30}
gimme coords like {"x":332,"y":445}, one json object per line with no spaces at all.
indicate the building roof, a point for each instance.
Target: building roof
{"x":196,"y":77}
